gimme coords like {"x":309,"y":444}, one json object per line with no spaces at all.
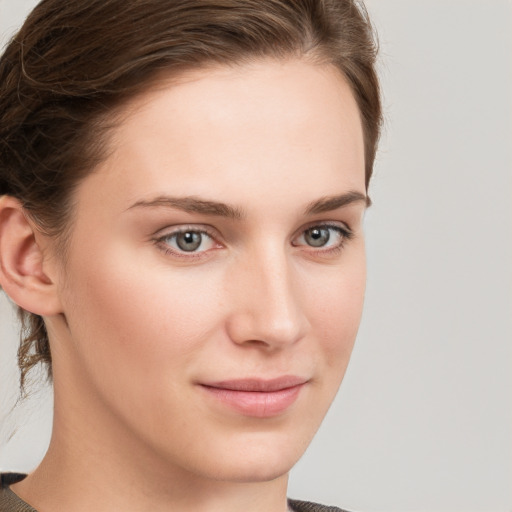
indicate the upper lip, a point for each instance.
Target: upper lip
{"x":257,"y":384}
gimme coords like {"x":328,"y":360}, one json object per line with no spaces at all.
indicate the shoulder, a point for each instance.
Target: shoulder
{"x":307,"y":506}
{"x":10,"y":502}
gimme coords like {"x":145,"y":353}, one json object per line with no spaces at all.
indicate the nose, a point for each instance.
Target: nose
{"x":267,"y":309}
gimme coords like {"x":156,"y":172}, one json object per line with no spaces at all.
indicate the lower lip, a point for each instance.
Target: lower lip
{"x":259,"y":404}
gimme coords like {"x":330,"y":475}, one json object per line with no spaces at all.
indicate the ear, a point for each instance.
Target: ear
{"x":22,"y":262}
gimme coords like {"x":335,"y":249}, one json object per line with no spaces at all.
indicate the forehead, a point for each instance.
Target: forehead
{"x":269,"y":91}
{"x":263,"y":123}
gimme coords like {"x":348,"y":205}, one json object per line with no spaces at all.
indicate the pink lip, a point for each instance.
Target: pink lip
{"x":257,"y":397}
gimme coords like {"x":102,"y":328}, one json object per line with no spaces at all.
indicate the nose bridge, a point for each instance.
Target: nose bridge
{"x":269,"y":309}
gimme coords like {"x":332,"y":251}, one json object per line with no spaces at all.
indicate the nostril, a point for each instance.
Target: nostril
{"x":257,"y":343}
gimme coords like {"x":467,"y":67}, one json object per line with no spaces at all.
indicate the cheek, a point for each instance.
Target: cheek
{"x":336,"y":305}
{"x":137,"y":322}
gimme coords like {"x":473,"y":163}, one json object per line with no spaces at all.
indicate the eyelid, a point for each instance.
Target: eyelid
{"x":337,"y":225}
{"x":172,"y":229}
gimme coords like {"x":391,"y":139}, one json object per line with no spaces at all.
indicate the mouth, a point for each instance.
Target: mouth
{"x":258,"y":398}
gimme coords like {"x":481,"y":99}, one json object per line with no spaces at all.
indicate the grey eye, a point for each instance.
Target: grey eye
{"x":317,"y":236}
{"x":189,"y":241}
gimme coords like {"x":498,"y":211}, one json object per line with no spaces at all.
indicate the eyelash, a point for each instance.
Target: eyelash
{"x":164,"y":246}
{"x":162,"y":242}
{"x":344,"y":232}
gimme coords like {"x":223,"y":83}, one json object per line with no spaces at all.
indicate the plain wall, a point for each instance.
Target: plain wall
{"x":423,"y":421}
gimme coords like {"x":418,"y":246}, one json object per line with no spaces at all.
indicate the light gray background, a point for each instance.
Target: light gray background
{"x":424,"y":418}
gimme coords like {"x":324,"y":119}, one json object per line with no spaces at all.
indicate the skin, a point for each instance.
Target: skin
{"x":135,"y":329}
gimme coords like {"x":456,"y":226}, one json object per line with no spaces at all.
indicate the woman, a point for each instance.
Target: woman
{"x":182,"y":190}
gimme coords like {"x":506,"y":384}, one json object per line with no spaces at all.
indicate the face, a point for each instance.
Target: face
{"x":215,"y":276}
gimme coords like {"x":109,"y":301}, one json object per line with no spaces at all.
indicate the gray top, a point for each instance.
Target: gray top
{"x":11,"y":502}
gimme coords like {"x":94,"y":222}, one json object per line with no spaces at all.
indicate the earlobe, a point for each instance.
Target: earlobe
{"x":22,"y":265}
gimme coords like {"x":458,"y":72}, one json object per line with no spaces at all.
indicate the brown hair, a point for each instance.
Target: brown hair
{"x":72,"y":63}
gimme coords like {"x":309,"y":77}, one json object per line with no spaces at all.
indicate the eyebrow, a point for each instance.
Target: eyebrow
{"x":192,"y":204}
{"x":330,"y":203}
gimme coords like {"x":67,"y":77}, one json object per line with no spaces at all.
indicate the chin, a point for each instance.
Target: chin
{"x":253,"y":472}
{"x":259,"y":460}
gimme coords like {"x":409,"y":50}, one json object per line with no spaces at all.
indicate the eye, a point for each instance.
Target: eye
{"x":187,"y":241}
{"x":324,"y":236}
{"x":317,"y":237}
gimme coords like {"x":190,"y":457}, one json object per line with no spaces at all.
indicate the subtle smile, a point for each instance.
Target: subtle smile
{"x":257,"y":397}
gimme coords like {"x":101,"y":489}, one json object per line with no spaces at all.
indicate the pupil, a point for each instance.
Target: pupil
{"x":317,"y":237}
{"x":189,"y":241}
